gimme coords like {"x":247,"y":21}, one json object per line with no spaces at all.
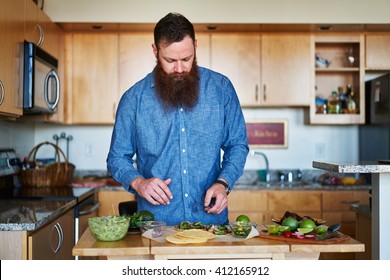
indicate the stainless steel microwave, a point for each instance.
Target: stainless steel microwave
{"x":41,"y":84}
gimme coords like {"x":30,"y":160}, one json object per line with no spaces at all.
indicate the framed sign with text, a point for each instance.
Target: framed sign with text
{"x":267,"y":133}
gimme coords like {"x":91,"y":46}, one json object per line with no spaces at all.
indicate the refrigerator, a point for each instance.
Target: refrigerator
{"x":374,"y":135}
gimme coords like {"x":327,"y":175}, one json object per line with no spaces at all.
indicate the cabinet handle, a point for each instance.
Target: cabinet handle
{"x":60,"y":235}
{"x":257,"y":93}
{"x":41,"y":35}
{"x":2,"y":92}
{"x":264,"y":92}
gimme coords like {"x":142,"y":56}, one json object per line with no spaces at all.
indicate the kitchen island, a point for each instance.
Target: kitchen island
{"x":380,"y":201}
{"x":134,"y":246}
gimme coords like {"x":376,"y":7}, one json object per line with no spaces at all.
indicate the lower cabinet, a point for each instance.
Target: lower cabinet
{"x":110,"y":199}
{"x":252,"y":203}
{"x":333,"y":206}
{"x":54,"y":241}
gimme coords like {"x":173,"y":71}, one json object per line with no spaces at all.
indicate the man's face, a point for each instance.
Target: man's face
{"x":176,"y":58}
{"x":176,"y":74}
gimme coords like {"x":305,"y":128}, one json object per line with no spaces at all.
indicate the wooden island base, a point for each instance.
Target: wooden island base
{"x":134,"y":246}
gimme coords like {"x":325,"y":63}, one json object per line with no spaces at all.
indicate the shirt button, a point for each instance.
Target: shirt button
{"x":181,"y":109}
{"x":184,"y":150}
{"x":186,"y":194}
{"x":183,"y":129}
{"x":184,"y":171}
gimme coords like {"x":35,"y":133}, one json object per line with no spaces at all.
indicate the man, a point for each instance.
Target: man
{"x":176,"y":121}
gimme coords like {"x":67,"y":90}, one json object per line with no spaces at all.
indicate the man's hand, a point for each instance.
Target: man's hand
{"x":217,"y":192}
{"x":154,"y":190}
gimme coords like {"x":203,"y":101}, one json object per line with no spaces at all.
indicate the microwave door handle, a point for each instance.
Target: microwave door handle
{"x":52,"y":74}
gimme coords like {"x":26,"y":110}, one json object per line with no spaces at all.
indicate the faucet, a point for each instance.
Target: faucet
{"x":268,"y":175}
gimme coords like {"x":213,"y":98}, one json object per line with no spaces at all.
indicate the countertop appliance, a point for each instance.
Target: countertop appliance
{"x":11,"y":192}
{"x":374,"y":136}
{"x":41,"y":84}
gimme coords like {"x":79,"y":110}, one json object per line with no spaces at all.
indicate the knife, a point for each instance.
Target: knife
{"x":331,"y":232}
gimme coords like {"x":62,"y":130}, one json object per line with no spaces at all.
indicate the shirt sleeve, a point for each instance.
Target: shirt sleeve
{"x":120,"y":159}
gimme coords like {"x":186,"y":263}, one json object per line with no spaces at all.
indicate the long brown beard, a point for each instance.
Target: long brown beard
{"x":177,"y":90}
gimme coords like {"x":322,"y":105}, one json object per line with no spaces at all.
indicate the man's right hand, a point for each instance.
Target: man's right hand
{"x":154,"y":190}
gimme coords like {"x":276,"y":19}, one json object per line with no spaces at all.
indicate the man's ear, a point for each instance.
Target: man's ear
{"x":155,"y":50}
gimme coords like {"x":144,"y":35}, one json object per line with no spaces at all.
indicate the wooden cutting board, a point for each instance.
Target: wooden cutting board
{"x":340,"y":238}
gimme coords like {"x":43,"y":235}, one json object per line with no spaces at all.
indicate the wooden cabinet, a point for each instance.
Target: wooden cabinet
{"x":92,"y":80}
{"x":285,"y":69}
{"x":41,"y":30}
{"x":136,"y":58}
{"x":301,"y":202}
{"x":11,"y":30}
{"x":54,"y":241}
{"x":340,"y":73}
{"x":237,"y":56}
{"x":110,"y":199}
{"x":248,"y":202}
{"x":378,"y":51}
{"x":266,"y":70}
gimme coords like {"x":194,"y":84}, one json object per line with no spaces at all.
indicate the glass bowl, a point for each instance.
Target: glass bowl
{"x":156,"y":226}
{"x":108,"y":228}
{"x":242,"y":229}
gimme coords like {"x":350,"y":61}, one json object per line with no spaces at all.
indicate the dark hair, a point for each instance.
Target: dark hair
{"x":173,"y":28}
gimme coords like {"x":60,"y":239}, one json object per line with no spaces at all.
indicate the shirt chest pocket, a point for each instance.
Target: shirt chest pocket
{"x":206,"y":120}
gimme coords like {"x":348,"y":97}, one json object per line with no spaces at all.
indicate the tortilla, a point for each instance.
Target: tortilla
{"x":182,"y":240}
{"x":195,"y":234}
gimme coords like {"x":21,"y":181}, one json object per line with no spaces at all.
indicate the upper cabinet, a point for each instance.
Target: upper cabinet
{"x":378,"y":52}
{"x":285,"y":69}
{"x":11,"y":30}
{"x":267,"y":70}
{"x":136,"y":58}
{"x":41,"y":30}
{"x":92,"y":82}
{"x":339,"y":63}
{"x":237,"y":56}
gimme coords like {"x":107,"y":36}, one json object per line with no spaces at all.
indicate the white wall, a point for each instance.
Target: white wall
{"x":221,"y":11}
{"x":90,"y":144}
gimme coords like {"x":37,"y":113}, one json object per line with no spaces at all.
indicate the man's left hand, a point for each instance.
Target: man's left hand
{"x":217,"y":192}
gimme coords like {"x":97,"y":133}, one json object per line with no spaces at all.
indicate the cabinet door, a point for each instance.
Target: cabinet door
{"x":94,"y":77}
{"x":285,"y":70}
{"x":11,"y":30}
{"x":248,"y":202}
{"x":304,"y":203}
{"x":378,"y":52}
{"x":237,"y":56}
{"x":136,"y":58}
{"x":110,"y":199}
{"x":54,"y":241}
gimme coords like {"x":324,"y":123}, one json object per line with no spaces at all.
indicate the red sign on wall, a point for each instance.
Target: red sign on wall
{"x":267,"y":134}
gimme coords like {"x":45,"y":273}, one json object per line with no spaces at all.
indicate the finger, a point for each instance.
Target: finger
{"x":208,"y":197}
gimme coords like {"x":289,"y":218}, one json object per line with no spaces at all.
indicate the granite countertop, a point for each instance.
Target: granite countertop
{"x":369,"y":167}
{"x":31,"y":214}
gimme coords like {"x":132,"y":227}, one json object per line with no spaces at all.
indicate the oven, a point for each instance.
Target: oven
{"x":86,"y":206}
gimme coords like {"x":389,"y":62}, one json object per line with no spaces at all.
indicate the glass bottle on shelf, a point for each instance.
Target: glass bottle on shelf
{"x":342,"y":100}
{"x":351,"y":104}
{"x":334,"y":103}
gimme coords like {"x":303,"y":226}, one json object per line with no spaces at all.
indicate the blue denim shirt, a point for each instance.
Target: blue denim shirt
{"x":182,"y":144}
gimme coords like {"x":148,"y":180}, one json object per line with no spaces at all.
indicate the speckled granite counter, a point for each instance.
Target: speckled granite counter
{"x":380,"y":201}
{"x":30,"y":214}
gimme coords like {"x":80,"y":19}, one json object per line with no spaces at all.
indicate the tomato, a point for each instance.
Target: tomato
{"x":287,"y":234}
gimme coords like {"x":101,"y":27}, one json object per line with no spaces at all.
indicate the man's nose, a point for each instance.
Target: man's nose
{"x":179,"y":67}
